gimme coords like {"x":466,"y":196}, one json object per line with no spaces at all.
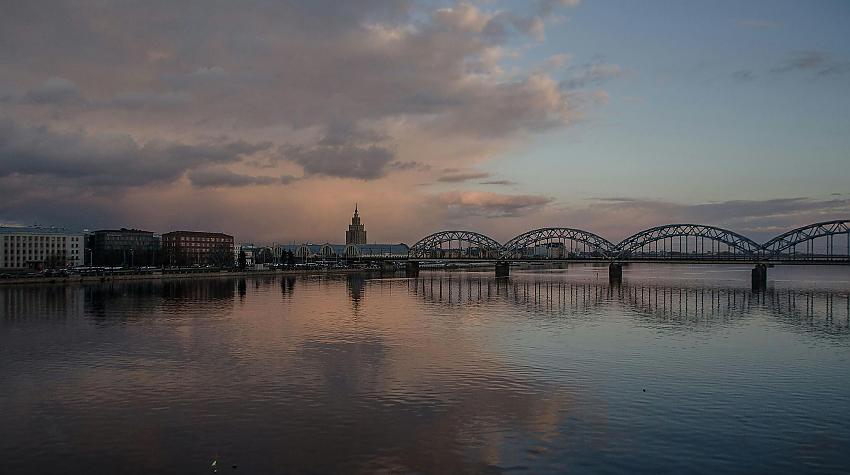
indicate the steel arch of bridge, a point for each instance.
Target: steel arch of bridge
{"x":775,"y":249}
{"x":792,"y":238}
{"x":636,"y":241}
{"x":433,"y":242}
{"x":521,"y":242}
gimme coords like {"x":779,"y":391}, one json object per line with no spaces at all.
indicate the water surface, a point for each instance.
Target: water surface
{"x":680,"y":368}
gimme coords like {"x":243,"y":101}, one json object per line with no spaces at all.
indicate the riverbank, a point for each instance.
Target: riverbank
{"x":76,"y":279}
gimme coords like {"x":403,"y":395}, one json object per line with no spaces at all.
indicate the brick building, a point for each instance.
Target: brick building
{"x":186,"y":248}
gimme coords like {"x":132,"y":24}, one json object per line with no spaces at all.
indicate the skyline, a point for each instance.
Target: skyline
{"x":272,"y":118}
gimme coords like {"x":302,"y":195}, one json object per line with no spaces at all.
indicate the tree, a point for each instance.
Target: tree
{"x":221,"y":256}
{"x":241,"y":261}
{"x":55,"y":260}
{"x":290,"y":259}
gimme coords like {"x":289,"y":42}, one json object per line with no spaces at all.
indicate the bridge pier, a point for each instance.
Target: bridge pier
{"x":615,"y":273}
{"x":411,"y":269}
{"x":503,"y":269}
{"x":387,"y":267}
{"x":760,"y":277}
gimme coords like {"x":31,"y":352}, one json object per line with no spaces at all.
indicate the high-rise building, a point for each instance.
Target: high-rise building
{"x":38,"y":248}
{"x":356,"y":233}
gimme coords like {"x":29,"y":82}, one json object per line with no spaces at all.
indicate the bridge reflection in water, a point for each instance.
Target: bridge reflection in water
{"x":822,"y":310}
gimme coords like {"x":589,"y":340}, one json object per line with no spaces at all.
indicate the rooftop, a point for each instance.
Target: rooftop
{"x":197,"y":233}
{"x":122,"y":230}
{"x":35,"y":230}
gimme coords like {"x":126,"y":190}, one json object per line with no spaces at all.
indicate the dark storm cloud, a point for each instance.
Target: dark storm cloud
{"x":114,"y":159}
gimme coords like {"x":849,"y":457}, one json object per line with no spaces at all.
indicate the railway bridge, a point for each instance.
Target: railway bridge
{"x":823,"y":243}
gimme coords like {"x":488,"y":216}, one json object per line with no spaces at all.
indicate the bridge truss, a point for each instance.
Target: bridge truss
{"x":785,"y":245}
{"x":558,"y":243}
{"x":456,"y":245}
{"x":685,"y":242}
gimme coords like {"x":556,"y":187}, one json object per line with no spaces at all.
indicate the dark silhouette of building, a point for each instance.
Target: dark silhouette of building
{"x":356,"y":233}
{"x":123,"y":247}
{"x":186,"y":248}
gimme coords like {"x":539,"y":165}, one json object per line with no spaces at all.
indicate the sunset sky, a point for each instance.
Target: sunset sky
{"x":268,"y":120}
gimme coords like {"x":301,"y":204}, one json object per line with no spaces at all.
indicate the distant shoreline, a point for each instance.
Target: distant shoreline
{"x":79,"y":279}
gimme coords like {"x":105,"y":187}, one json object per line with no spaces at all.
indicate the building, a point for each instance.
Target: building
{"x":186,"y":248}
{"x":355,"y":247}
{"x":356,"y":233}
{"x":345,"y":251}
{"x":244,"y":251}
{"x":40,"y":248}
{"x":124,"y":247}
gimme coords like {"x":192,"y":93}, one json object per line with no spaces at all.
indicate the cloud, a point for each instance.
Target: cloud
{"x":54,"y":91}
{"x":617,"y":217}
{"x":136,"y":100}
{"x":592,"y":73}
{"x":436,"y":66}
{"x":479,"y":203}
{"x":355,"y":91}
{"x":498,"y":182}
{"x":545,"y":7}
{"x":402,"y":166}
{"x":816,"y":62}
{"x":63,"y":92}
{"x":346,"y":150}
{"x":454,"y":176}
{"x":344,"y":161}
{"x":218,"y":177}
{"x":108,"y":159}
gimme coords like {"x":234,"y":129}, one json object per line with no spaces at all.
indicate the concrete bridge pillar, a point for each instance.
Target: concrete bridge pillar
{"x":615,"y":273}
{"x":411,"y":269}
{"x":760,"y":277}
{"x":503,"y":269}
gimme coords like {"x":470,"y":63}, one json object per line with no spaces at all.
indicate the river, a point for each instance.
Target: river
{"x":678,"y":369}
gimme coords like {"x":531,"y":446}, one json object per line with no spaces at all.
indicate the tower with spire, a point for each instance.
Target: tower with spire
{"x":356,"y":233}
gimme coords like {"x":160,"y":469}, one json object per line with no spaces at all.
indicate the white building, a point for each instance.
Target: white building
{"x":249,"y":250}
{"x":37,"y":247}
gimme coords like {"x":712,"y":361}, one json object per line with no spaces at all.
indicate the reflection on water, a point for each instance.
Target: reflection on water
{"x":825,"y":310}
{"x":677,"y":369}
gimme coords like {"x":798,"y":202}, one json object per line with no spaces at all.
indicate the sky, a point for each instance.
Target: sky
{"x":269,"y":120}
